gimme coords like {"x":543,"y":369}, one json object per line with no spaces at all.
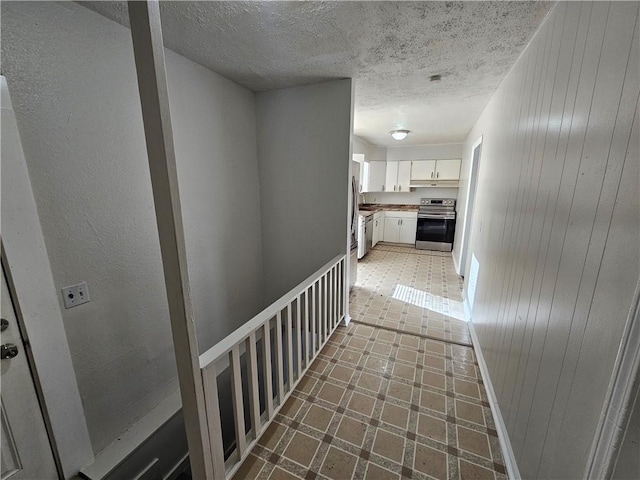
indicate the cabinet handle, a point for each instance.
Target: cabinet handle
{"x":400,"y":188}
{"x":431,"y":174}
{"x":438,"y":175}
{"x":383,"y":188}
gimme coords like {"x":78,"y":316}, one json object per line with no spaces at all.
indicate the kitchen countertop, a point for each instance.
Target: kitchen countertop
{"x":372,"y":208}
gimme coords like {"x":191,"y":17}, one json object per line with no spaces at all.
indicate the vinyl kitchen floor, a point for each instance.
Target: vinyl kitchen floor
{"x":415,"y":291}
{"x":380,"y":401}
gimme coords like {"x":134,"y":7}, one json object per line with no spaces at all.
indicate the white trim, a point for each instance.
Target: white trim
{"x":180,"y":467}
{"x":148,"y":50}
{"x":464,"y":247}
{"x":456,"y":265}
{"x":347,"y":261}
{"x":329,"y":318}
{"x":117,"y":452}
{"x":476,"y":144}
{"x":36,"y":300}
{"x":507,"y":452}
{"x":242,"y":332}
{"x":617,"y":408}
{"x":467,"y":309}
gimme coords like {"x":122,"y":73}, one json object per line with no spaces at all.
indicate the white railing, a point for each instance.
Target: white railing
{"x":256,"y":368}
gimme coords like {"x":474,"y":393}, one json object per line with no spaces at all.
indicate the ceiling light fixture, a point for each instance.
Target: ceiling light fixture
{"x":399,"y":134}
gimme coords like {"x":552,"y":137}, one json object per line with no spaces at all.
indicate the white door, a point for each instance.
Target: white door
{"x":404,"y":176}
{"x":408,"y":227}
{"x":448,"y":170}
{"x":26,"y":453}
{"x":423,"y":170}
{"x":391,"y":182}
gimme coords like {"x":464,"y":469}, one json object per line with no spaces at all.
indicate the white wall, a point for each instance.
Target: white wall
{"x":425,"y":152}
{"x":304,"y":157}
{"x":556,"y":229}
{"x":370,"y":151}
{"x":215,"y":140}
{"x":72,"y":78}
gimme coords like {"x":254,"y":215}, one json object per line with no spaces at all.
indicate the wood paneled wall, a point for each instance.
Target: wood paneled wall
{"x":556,"y":229}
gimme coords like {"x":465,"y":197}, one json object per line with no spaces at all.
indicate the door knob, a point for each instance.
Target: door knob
{"x":8,"y":350}
{"x":4,"y":324}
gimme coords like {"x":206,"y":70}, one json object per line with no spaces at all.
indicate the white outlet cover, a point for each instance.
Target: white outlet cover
{"x":75,"y":295}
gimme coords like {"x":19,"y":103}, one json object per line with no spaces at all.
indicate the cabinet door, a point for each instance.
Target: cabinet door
{"x":377,"y":173}
{"x":376,"y":231}
{"x":404,"y":176}
{"x":423,"y":170}
{"x":365,"y":175}
{"x":448,"y":169}
{"x":391,"y":182}
{"x":408,"y":227}
{"x":378,"y":227}
{"x":391,"y":229}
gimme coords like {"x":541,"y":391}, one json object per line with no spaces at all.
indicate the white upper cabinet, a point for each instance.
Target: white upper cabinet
{"x":391,"y":182}
{"x":398,"y":177}
{"x":423,"y":170}
{"x":375,"y":176}
{"x":448,"y":169}
{"x":435,"y":170}
{"x":404,"y":176}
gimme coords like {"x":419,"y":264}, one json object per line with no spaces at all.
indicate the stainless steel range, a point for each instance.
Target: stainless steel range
{"x":436,"y":224}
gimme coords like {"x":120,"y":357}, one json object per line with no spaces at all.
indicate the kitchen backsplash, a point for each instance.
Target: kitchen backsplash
{"x":411,"y":198}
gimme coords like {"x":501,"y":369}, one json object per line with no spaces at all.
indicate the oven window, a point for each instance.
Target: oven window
{"x":433,"y":230}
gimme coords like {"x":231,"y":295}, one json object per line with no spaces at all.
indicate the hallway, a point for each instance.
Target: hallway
{"x":382,"y":400}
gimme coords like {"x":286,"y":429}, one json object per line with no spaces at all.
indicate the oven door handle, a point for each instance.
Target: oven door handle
{"x":437,"y":217}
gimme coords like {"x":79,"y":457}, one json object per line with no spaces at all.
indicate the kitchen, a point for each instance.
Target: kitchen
{"x":406,"y":195}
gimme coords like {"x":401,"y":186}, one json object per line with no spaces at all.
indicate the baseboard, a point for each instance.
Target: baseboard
{"x":178,"y":468}
{"x":456,"y":266}
{"x":467,"y":309}
{"x":619,"y":402}
{"x":155,"y":447}
{"x":507,"y":452}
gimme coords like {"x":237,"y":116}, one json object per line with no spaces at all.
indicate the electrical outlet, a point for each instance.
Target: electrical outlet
{"x":75,"y":295}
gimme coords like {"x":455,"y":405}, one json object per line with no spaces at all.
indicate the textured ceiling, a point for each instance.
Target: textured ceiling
{"x":389,"y":48}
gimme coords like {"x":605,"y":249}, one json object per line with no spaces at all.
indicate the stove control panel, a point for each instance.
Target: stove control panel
{"x":443,"y":202}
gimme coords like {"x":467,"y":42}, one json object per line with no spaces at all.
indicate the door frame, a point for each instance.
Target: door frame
{"x":619,"y":402}
{"x":472,"y":188}
{"x":40,"y":439}
{"x":30,"y":281}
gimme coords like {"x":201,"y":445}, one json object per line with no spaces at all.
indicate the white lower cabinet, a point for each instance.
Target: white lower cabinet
{"x":408,"y":229}
{"x":391,"y":229}
{"x":378,"y":227}
{"x":400,"y":227}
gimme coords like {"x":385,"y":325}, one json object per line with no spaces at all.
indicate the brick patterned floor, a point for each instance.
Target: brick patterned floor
{"x":382,"y":401}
